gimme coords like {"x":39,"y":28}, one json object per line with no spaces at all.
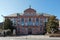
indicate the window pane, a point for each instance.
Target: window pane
{"x":37,"y":19}
{"x":29,"y":19}
{"x":37,"y":22}
{"x":22,"y":19}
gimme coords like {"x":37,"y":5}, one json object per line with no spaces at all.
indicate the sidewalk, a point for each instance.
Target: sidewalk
{"x":30,"y":37}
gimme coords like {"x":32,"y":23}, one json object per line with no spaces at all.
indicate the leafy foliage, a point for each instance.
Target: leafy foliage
{"x":52,"y":24}
{"x":8,"y":24}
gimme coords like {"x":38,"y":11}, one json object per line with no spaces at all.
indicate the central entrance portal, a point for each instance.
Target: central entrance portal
{"x":29,"y":31}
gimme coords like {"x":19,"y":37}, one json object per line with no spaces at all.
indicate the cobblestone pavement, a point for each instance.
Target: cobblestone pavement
{"x":30,"y":37}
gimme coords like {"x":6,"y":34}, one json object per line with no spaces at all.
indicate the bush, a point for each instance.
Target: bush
{"x":8,"y":33}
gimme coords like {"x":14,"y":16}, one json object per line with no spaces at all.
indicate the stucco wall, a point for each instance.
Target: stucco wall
{"x":59,"y":23}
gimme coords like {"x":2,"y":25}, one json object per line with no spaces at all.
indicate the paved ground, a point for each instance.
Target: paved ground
{"x":30,"y":37}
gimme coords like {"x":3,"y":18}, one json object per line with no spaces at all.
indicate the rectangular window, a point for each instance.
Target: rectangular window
{"x":18,"y":30}
{"x":37,"y":22}
{"x":41,"y":21}
{"x":41,"y":29}
{"x":29,"y":19}
{"x":30,"y":22}
{"x":22,"y":21}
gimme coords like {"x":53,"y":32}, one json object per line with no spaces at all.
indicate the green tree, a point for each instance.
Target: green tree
{"x":52,"y":24}
{"x":8,"y":24}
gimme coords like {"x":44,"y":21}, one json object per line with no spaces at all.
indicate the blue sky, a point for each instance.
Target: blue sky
{"x":18,"y":6}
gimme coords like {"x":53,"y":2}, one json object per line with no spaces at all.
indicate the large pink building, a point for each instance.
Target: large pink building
{"x":29,"y":22}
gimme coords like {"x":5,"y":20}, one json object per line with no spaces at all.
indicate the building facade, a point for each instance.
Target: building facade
{"x":30,"y":22}
{"x":59,"y":25}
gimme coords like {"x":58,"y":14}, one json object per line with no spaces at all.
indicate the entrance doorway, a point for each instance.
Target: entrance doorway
{"x":29,"y":31}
